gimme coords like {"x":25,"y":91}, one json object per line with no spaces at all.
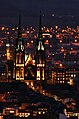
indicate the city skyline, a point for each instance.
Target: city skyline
{"x":39,"y":59}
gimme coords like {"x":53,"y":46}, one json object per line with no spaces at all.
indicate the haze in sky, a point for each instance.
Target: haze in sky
{"x":30,"y":10}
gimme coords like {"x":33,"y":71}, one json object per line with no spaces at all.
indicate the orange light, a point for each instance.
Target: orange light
{"x":56,"y":27}
{"x":8,"y":33}
{"x":46,"y":42}
{"x":24,"y":35}
{"x":2,"y":28}
{"x":62,"y":50}
{"x":60,"y":65}
{"x":13,"y":29}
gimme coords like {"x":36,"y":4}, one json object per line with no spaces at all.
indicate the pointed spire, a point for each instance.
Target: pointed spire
{"x":19,"y":25}
{"x":40,"y":30}
{"x":40,"y":22}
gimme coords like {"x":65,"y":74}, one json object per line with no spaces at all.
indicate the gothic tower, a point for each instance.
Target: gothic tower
{"x":19,"y":55}
{"x":8,"y":54}
{"x":40,"y":55}
{"x":9,"y":61}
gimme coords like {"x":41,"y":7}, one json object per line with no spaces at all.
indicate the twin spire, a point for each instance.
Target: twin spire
{"x":40,"y":29}
{"x":19,"y":27}
{"x":40,"y":22}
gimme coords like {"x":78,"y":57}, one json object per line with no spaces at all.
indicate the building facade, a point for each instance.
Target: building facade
{"x":64,"y":75}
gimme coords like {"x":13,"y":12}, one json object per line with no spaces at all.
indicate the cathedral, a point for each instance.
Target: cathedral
{"x":25,"y":70}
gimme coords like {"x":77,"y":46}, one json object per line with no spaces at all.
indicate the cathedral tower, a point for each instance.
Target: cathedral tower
{"x":40,"y":55}
{"x":19,"y":55}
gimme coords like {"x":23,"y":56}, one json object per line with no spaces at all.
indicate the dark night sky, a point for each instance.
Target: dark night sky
{"x":30,"y":10}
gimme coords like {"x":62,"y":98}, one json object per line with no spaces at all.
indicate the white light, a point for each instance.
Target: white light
{"x":39,"y":112}
{"x":7,"y":45}
{"x":11,"y":111}
{"x":26,"y":57}
{"x":40,"y":46}
{"x":71,"y":75}
{"x":43,"y":112}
